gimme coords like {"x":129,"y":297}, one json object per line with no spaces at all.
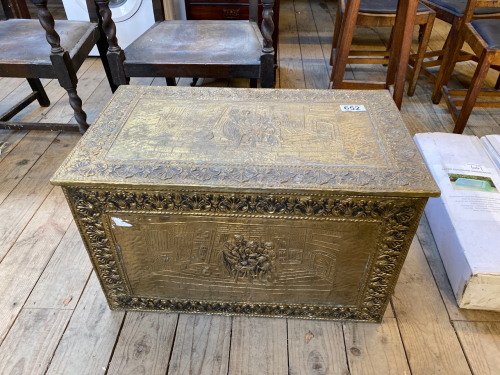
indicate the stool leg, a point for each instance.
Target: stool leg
{"x":422,"y":47}
{"x":449,"y":61}
{"x":37,"y":86}
{"x":401,"y":46}
{"x":170,"y":81}
{"x":336,"y":32}
{"x":345,"y":39}
{"x":475,"y":88}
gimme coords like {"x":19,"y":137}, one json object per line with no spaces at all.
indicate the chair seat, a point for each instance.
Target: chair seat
{"x":385,"y":7}
{"x":458,"y":6}
{"x":489,"y":30}
{"x":197,"y":42}
{"x":23,"y":42}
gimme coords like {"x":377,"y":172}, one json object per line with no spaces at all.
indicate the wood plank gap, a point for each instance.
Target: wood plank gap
{"x":463,"y":349}
{"x":300,"y":45}
{"x":345,"y":346}
{"x":230,"y":343}
{"x":116,"y":343}
{"x":172,"y":346}
{"x":401,"y":338}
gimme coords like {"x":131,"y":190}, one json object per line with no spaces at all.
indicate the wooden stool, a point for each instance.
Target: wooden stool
{"x":376,"y":13}
{"x":453,"y":12}
{"x":484,"y":38}
{"x":399,"y":54}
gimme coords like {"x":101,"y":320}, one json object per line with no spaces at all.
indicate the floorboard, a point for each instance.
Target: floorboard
{"x":201,"y":345}
{"x":65,"y":277}
{"x":144,"y":344}
{"x":88,"y":342}
{"x":375,"y":348}
{"x":316,"y":347}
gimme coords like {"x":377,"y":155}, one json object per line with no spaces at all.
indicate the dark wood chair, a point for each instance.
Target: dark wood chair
{"x":208,"y":49}
{"x":24,"y":53}
{"x":483,"y":36}
{"x":399,"y":53}
{"x":382,"y":13}
{"x":456,"y":13}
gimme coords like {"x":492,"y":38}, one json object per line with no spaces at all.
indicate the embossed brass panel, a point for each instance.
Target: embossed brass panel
{"x":257,"y":202}
{"x":306,"y":261}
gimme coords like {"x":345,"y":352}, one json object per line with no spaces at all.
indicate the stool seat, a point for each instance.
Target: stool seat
{"x":458,"y":6}
{"x":385,"y":7}
{"x":489,"y":31}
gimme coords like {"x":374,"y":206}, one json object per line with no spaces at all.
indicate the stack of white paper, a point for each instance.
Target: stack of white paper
{"x":465,"y":220}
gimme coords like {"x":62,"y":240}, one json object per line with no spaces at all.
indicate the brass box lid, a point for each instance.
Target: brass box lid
{"x":250,"y":139}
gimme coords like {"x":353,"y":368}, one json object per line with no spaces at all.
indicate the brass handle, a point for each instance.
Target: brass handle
{"x":231,"y":14}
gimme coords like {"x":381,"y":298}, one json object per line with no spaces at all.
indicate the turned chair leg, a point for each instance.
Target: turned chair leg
{"x":422,"y":47}
{"x":76,"y":103}
{"x":474,"y":90}
{"x":450,"y":57}
{"x":170,"y":81}
{"x":37,"y":86}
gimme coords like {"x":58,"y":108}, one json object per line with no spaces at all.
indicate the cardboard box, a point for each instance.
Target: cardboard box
{"x":465,"y":220}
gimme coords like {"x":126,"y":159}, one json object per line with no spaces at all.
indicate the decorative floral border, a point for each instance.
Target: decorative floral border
{"x":399,"y":218}
{"x":407,"y":174}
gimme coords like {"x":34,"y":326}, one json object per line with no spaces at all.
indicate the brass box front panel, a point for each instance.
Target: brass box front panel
{"x":282,"y":255}
{"x":306,"y":261}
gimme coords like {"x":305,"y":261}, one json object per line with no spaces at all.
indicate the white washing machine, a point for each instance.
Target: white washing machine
{"x":132,"y":17}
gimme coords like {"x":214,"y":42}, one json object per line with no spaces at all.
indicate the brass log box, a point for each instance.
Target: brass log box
{"x":276,"y":203}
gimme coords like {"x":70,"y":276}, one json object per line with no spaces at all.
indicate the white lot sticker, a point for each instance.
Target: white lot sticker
{"x":353,"y":108}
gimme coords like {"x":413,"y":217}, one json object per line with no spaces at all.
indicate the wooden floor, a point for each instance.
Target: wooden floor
{"x":53,"y":315}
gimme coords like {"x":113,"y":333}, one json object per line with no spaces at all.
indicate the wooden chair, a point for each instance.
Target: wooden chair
{"x":24,"y":53}
{"x":456,"y":13}
{"x":483,"y":36}
{"x":212,"y":49}
{"x":399,"y":53}
{"x":377,"y":13}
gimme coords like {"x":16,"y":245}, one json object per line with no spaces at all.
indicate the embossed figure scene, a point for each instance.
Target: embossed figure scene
{"x":266,"y":260}
{"x":248,"y":132}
